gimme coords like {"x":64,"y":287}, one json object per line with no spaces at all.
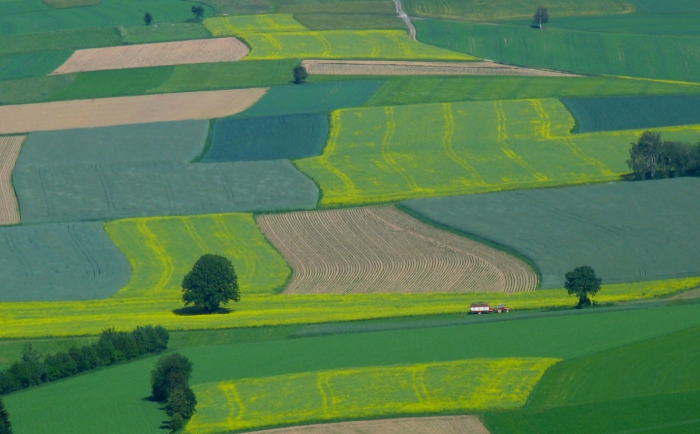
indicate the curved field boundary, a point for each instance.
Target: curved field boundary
{"x":265,"y":23}
{"x":378,"y":391}
{"x":158,"y":54}
{"x":410,"y":425}
{"x":9,"y":151}
{"x":382,"y":67}
{"x":382,"y":250}
{"x":70,"y":261}
{"x":89,"y":113}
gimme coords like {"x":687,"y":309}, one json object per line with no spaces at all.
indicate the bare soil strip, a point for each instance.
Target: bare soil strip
{"x":388,"y":67}
{"x":9,"y":151}
{"x":383,"y":250}
{"x":412,"y":425}
{"x":105,"y":112}
{"x":158,"y":54}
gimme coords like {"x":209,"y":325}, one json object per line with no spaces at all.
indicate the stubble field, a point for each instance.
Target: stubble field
{"x":10,"y":147}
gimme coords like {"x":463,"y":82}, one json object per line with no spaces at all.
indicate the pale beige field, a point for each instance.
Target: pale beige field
{"x":388,"y":67}
{"x":157,"y":54}
{"x":104,"y":112}
{"x":383,"y":250}
{"x":411,"y":425}
{"x":9,"y":151}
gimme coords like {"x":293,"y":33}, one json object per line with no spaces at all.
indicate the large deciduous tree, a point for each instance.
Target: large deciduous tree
{"x":211,"y":282}
{"x":541,"y":17}
{"x":300,"y":74}
{"x":198,"y":12}
{"x":582,"y":282}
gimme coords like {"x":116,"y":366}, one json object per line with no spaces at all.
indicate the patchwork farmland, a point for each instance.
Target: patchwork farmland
{"x":331,"y":187}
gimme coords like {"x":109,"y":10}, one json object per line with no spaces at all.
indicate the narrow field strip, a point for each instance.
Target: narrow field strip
{"x":475,"y":384}
{"x":383,"y":154}
{"x":410,"y":425}
{"x":103,"y":112}
{"x":162,"y":250}
{"x":157,"y":54}
{"x":74,"y":318}
{"x":382,"y":250}
{"x":383,"y":67}
{"x":264,"y":23}
{"x":9,"y":151}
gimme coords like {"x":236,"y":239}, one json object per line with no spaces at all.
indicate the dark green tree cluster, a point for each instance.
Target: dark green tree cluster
{"x":653,"y":158}
{"x":113,"y":346}
{"x":582,"y":282}
{"x":198,"y":12}
{"x":211,"y":282}
{"x":5,"y":425}
{"x":170,"y":384}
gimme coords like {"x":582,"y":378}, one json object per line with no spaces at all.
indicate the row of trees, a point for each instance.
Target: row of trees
{"x":34,"y":368}
{"x":170,"y":384}
{"x":653,"y":158}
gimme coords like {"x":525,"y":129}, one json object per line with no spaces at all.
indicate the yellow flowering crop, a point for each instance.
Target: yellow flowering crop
{"x":469,"y":385}
{"x":236,"y":25}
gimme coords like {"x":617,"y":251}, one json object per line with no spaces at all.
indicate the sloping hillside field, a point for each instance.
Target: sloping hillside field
{"x":392,"y":153}
{"x":626,"y":231}
{"x":10,"y":147}
{"x":369,"y":250}
{"x":103,"y":112}
{"x":366,"y":392}
{"x":73,"y":261}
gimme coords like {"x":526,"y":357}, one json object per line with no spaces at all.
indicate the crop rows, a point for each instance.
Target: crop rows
{"x":264,"y":23}
{"x":410,"y":425}
{"x":9,"y":151}
{"x":475,"y":384}
{"x":372,"y":250}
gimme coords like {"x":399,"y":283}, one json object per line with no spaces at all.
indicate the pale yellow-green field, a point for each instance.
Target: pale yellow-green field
{"x":67,"y":318}
{"x":469,"y":385}
{"x":236,"y":25}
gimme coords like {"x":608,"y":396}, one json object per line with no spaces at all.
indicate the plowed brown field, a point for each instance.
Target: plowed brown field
{"x":104,"y":112}
{"x":387,"y":67}
{"x":158,"y":54}
{"x":412,"y":425}
{"x":9,"y":151}
{"x":383,"y":250}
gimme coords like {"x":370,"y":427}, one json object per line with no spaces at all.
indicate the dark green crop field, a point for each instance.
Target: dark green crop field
{"x":633,"y":112}
{"x":268,"y":138}
{"x":31,"y":65}
{"x":628,"y":231}
{"x":74,"y":261}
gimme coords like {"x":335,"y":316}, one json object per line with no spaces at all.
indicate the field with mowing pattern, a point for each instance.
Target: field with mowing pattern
{"x":409,"y":425}
{"x":380,"y":250}
{"x":31,"y":65}
{"x":392,"y":153}
{"x":475,"y":384}
{"x":161,"y":251}
{"x":237,"y":25}
{"x":606,"y":226}
{"x":10,"y":147}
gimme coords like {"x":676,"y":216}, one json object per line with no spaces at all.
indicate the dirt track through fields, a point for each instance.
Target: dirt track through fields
{"x":104,"y":112}
{"x":383,"y":250}
{"x":412,"y":425}
{"x":9,"y":151}
{"x":388,"y":67}
{"x":404,"y":17}
{"x":158,"y":54}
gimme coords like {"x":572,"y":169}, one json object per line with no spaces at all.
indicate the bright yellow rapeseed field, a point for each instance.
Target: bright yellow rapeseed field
{"x":236,"y":25}
{"x":476,"y":384}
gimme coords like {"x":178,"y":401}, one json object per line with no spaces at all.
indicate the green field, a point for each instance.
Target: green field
{"x":542,"y":337}
{"x":347,"y":15}
{"x":237,"y":25}
{"x":31,"y":65}
{"x":56,"y":41}
{"x":163,"y":32}
{"x":162,"y":250}
{"x":651,"y":24}
{"x":393,"y":153}
{"x":659,"y":57}
{"x":650,"y":386}
{"x":469,"y":385}
{"x":590,"y":218}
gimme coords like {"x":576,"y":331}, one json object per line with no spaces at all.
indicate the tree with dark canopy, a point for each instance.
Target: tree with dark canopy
{"x":582,"y":281}
{"x":300,"y":74}
{"x":5,"y":425}
{"x":652,"y":158}
{"x":148,"y":18}
{"x":211,"y":282}
{"x":541,"y":17}
{"x":198,"y":12}
{"x":170,"y":370}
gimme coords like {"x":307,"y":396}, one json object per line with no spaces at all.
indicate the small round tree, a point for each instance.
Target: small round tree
{"x":148,"y":18}
{"x":211,"y":282}
{"x":582,"y":281}
{"x":300,"y":74}
{"x":198,"y":12}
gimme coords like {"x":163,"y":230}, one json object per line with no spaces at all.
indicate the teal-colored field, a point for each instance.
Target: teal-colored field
{"x":543,"y":337}
{"x":659,"y":57}
{"x":31,"y":65}
{"x":605,"y":226}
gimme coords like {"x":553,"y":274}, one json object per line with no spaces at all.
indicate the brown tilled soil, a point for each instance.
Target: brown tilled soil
{"x":413,"y":425}
{"x":104,"y":112}
{"x":158,"y":54}
{"x":387,"y":67}
{"x":9,"y":151}
{"x":383,"y":250}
